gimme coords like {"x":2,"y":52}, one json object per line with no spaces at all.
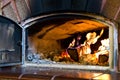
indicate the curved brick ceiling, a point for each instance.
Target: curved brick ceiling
{"x":65,"y":30}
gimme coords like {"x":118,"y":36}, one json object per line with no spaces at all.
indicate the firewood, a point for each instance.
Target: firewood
{"x":73,"y":54}
{"x":103,"y":58}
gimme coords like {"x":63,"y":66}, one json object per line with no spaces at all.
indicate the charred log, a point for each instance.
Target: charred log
{"x":73,"y":54}
{"x":103,"y":58}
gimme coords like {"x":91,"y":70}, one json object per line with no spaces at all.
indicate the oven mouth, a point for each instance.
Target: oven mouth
{"x":47,"y":40}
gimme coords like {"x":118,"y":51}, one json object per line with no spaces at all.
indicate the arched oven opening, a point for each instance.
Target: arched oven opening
{"x":69,"y":40}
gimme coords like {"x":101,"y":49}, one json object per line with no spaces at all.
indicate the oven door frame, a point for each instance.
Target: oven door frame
{"x":113,"y":27}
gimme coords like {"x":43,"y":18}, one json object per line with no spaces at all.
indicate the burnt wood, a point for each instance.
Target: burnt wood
{"x":73,"y":54}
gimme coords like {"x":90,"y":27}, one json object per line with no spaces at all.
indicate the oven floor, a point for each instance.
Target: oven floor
{"x":42,"y":73}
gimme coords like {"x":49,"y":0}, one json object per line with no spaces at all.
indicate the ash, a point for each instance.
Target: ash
{"x":36,"y":58}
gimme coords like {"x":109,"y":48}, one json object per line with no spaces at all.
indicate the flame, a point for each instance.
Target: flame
{"x":104,"y":48}
{"x":92,"y":38}
{"x":64,"y":54}
{"x":105,"y":44}
{"x":72,"y":44}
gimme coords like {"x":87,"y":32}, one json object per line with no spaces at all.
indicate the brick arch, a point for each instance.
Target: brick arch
{"x":14,"y":9}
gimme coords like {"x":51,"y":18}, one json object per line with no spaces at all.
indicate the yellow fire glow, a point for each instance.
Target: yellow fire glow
{"x":72,"y":44}
{"x":92,"y":38}
{"x":104,"y":48}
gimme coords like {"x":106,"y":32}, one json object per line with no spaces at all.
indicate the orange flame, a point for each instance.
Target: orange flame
{"x":64,"y":54}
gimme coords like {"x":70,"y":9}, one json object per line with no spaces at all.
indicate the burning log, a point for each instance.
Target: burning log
{"x":73,"y":54}
{"x":103,"y":51}
{"x":103,"y":58}
{"x":64,"y":57}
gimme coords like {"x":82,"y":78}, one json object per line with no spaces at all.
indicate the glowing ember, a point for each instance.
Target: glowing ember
{"x":64,"y":54}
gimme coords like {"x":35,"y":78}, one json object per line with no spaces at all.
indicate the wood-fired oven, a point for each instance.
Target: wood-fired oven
{"x":70,"y":41}
{"x":60,"y":40}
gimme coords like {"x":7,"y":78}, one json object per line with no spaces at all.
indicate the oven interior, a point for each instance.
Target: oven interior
{"x":69,"y":40}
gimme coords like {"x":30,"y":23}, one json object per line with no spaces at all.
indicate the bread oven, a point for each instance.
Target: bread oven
{"x":60,"y":40}
{"x":70,"y":41}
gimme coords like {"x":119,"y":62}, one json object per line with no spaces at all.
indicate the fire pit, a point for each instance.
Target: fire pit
{"x":70,"y":40}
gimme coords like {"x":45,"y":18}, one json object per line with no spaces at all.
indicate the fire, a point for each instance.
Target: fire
{"x":72,"y":44}
{"x":64,"y":54}
{"x":84,"y":48}
{"x":91,"y":39}
{"x":82,"y":52}
{"x":105,"y":44}
{"x":104,"y":48}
